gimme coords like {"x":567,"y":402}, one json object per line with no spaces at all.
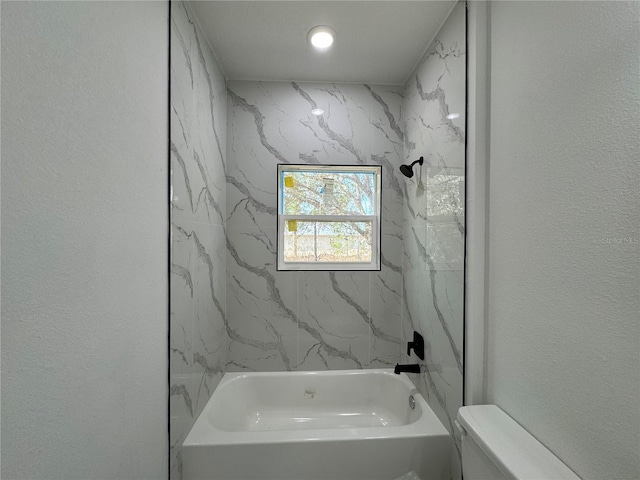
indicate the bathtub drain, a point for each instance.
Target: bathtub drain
{"x":412,"y":402}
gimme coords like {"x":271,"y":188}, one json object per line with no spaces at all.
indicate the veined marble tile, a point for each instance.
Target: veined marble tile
{"x":386,"y":309}
{"x":208,"y":250}
{"x":415,"y":269}
{"x":414,"y":192}
{"x":416,"y":292}
{"x":182,"y":307}
{"x":432,"y":305}
{"x":175,"y":467}
{"x":198,"y":97}
{"x":198,"y":241}
{"x":445,"y":244}
{"x":251,"y":166}
{"x":386,"y":306}
{"x":262,"y":355}
{"x":182,"y":197}
{"x":386,"y":142}
{"x":271,"y":123}
{"x":446,"y":191}
{"x":262,"y":303}
{"x":183,"y":74}
{"x":334,"y":321}
{"x":433,"y":212}
{"x":344,"y":129}
{"x":209,"y":280}
{"x":422,"y":195}
{"x":193,"y":197}
{"x":181,"y":408}
{"x":198,"y":286}
{"x":182,"y":110}
{"x":392,"y":193}
{"x":445,"y":311}
{"x":434,"y":111}
{"x":266,"y":117}
{"x":385,"y":115}
{"x":210,"y":120}
{"x":434,"y":116}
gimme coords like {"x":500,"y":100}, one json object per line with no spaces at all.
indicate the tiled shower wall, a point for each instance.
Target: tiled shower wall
{"x":198,"y":110}
{"x":231,"y":309}
{"x":433,"y":233}
{"x":309,"y":320}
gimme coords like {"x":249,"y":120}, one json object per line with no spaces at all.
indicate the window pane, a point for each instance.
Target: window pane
{"x":327,"y":241}
{"x":328,"y":193}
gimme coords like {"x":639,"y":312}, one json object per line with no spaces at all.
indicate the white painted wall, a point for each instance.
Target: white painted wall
{"x":84,"y":240}
{"x":563,"y":354}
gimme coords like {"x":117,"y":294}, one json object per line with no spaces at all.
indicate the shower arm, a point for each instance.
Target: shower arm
{"x":420,"y":161}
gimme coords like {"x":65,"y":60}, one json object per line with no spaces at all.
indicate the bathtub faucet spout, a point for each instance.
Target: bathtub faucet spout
{"x":411,"y":368}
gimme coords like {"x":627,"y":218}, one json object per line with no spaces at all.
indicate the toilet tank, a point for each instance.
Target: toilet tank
{"x":495,"y":447}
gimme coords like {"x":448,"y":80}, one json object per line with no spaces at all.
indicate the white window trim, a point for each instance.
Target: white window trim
{"x":374,"y":264}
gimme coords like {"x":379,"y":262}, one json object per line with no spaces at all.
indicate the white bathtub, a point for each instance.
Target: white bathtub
{"x":350,"y":425}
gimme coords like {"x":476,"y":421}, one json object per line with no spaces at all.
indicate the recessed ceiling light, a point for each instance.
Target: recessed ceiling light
{"x":453,"y":116}
{"x":317,"y":112}
{"x":321,"y":37}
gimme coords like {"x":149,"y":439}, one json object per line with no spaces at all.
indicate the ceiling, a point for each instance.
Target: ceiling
{"x":377,"y":42}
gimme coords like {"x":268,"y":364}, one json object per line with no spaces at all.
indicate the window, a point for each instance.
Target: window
{"x":329,"y":217}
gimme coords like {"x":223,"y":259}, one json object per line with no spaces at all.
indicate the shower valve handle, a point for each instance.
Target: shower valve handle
{"x":417,"y":345}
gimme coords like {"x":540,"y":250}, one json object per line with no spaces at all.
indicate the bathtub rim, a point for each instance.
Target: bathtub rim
{"x":204,"y":433}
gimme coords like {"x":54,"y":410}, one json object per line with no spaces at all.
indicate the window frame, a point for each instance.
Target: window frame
{"x":376,"y":220}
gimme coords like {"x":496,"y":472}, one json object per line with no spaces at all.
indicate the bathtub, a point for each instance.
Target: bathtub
{"x":333,"y":425}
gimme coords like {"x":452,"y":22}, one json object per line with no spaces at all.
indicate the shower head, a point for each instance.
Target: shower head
{"x":407,"y":170}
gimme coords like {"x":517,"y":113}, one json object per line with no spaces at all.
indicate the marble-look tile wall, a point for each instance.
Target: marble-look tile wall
{"x":433,"y":229}
{"x":198,"y":252}
{"x":309,"y":320}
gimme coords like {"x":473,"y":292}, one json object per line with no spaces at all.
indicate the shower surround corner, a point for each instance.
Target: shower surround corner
{"x":434,"y":226}
{"x":198,"y":339}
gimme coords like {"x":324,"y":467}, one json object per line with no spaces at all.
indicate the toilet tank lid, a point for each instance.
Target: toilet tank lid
{"x":514,"y":450}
